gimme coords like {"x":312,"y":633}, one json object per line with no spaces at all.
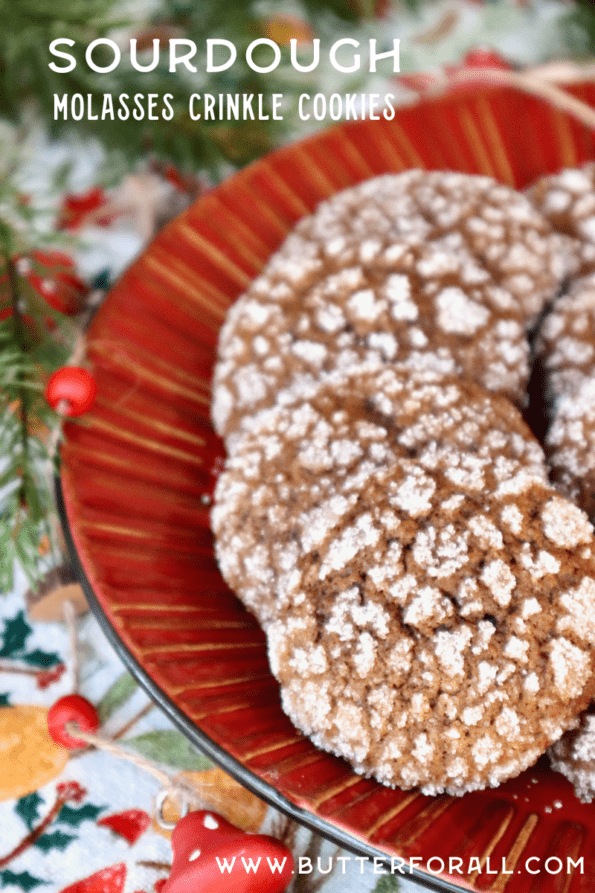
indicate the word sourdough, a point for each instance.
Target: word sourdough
{"x":261,"y":55}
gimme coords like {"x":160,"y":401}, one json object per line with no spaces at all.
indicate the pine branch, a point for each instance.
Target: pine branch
{"x":26,"y":499}
{"x":580,"y":28}
{"x":20,"y":377}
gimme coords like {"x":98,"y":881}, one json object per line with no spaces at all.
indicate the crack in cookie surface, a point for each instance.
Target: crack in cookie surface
{"x":417,"y":577}
{"x":444,"y":271}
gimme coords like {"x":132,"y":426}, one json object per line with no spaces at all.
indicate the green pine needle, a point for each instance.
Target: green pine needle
{"x":26,"y":498}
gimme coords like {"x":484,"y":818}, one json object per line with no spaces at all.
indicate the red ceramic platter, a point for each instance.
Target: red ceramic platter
{"x":138,"y":473}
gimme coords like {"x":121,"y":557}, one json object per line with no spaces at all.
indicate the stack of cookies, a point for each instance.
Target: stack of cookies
{"x":565,"y":348}
{"x":385,"y":511}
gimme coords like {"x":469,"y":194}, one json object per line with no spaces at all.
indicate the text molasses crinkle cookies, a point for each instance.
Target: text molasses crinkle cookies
{"x":384,"y":509}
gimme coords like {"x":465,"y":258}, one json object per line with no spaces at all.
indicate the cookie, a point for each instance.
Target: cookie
{"x":566,"y":351}
{"x":442,"y":271}
{"x":433,"y":592}
{"x":574,"y":756}
{"x":430,"y":309}
{"x":570,"y":445}
{"x":500,"y":227}
{"x":384,"y":511}
{"x":278,"y":492}
{"x":567,"y":200}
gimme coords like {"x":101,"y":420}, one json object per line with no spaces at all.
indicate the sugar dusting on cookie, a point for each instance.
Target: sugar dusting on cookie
{"x":404,"y":577}
{"x":440,"y":270}
{"x":567,"y":201}
{"x":384,"y":510}
{"x":566,"y":349}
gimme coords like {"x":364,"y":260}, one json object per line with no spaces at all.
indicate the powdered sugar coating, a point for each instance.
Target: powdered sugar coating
{"x":443,"y":271}
{"x":376,"y":529}
{"x":566,"y":348}
{"x":499,"y":227}
{"x":567,"y":200}
{"x":295,"y":453}
{"x":570,"y":444}
{"x":566,"y":341}
{"x":574,"y":756}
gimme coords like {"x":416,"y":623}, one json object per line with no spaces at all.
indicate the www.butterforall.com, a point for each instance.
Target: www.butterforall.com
{"x":435,"y":865}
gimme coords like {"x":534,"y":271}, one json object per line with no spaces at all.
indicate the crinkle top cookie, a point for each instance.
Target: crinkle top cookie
{"x":441,"y":270}
{"x":567,"y":200}
{"x":435,"y":597}
{"x":566,"y":339}
{"x":570,"y":445}
{"x":574,"y":756}
{"x":295,"y":477}
{"x":500,"y":227}
{"x":566,"y":349}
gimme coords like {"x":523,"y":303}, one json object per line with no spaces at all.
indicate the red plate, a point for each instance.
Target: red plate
{"x":138,"y":472}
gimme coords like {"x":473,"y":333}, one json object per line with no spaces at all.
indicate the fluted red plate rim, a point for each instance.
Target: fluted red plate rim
{"x":210,"y":748}
{"x":487,"y":144}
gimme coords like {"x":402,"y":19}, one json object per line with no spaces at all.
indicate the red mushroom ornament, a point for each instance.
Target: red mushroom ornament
{"x":211,"y":856}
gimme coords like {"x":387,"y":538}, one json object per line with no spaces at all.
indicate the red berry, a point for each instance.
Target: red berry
{"x":46,"y":677}
{"x":76,"y":709}
{"x":73,"y":385}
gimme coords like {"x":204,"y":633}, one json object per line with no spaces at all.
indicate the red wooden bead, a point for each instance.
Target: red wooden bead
{"x":213,"y":856}
{"x":73,"y":385}
{"x":76,"y":709}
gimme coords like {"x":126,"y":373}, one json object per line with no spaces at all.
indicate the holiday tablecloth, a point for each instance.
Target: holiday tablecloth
{"x":84,"y":821}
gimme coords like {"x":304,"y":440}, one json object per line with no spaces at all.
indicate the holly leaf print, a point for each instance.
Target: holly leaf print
{"x":39,"y":658}
{"x":102,"y":280}
{"x":55,"y":840}
{"x":74,"y":817}
{"x":28,"y":809}
{"x":24,"y":880}
{"x":15,"y":635}
{"x":16,"y":632}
